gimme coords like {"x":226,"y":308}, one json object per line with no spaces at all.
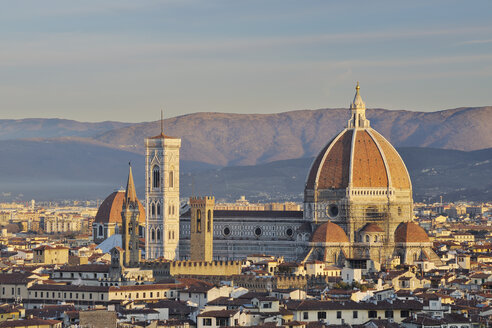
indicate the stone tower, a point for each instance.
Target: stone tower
{"x":202,"y":228}
{"x":129,"y":217}
{"x":162,"y":197}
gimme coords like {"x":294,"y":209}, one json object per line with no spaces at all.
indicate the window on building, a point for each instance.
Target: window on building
{"x":207,"y":321}
{"x":171,"y":179}
{"x":158,"y":234}
{"x":321,"y":315}
{"x":373,"y":314}
{"x":152,"y":234}
{"x":158,"y":209}
{"x":156,"y":176}
{"x":198,"y":221}
{"x":388,"y":314}
{"x":405,"y":313}
{"x":355,"y":314}
{"x":153,"y":209}
{"x":222,"y":321}
{"x":100,"y":230}
{"x":339,"y":314}
{"x":305,"y":315}
{"x":209,"y":220}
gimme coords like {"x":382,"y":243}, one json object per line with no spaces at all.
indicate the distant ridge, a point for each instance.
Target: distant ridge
{"x":246,"y":139}
{"x":41,"y":157}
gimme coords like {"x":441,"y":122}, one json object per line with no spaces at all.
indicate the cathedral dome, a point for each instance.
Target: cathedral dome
{"x":329,"y":232}
{"x":409,"y":232}
{"x":358,"y":157}
{"x":111,"y":207}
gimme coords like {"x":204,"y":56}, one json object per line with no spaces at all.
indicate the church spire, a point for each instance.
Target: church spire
{"x":130,"y":194}
{"x":358,"y":111}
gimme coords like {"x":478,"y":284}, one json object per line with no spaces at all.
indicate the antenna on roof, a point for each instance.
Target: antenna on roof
{"x":162,"y":123}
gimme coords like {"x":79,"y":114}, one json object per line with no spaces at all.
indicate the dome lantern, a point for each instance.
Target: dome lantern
{"x":358,"y":112}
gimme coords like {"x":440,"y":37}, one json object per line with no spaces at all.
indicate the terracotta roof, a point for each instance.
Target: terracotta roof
{"x":110,"y":209}
{"x":368,"y":165}
{"x":334,"y":166}
{"x":372,"y":227}
{"x":104,"y":268}
{"x":219,"y":313}
{"x":329,"y":232}
{"x":375,"y":163}
{"x":29,"y":322}
{"x":409,"y":232}
{"x":397,"y":169}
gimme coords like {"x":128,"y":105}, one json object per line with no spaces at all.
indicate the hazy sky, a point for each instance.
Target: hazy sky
{"x":126,"y":60}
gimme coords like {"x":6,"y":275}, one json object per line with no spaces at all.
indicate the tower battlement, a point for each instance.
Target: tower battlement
{"x":198,"y":201}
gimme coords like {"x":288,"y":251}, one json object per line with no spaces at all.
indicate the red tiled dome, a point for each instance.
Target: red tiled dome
{"x":409,"y":232}
{"x":329,"y":232}
{"x":375,"y":163}
{"x":110,"y":209}
{"x":372,"y":227}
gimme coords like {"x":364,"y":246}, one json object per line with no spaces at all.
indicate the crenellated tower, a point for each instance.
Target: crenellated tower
{"x":202,"y":228}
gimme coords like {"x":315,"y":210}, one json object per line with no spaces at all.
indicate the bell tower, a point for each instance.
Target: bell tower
{"x":202,"y":228}
{"x":162,"y":196}
{"x":129,"y":217}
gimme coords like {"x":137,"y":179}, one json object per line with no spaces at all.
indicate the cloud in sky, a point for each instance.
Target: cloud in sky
{"x":123,"y":60}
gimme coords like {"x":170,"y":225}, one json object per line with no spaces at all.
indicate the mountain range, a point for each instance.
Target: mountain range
{"x":56,"y":158}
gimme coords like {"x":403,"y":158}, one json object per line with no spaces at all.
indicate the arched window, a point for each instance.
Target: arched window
{"x":367,"y":238}
{"x":415,"y":256}
{"x":375,"y":238}
{"x":152,"y":233}
{"x":169,"y":235}
{"x":209,"y":220}
{"x":169,"y":209}
{"x":158,"y":234}
{"x":153,"y":209}
{"x":198,"y":220}
{"x":171,"y":179}
{"x":100,"y":230}
{"x":158,"y":209}
{"x":156,"y":176}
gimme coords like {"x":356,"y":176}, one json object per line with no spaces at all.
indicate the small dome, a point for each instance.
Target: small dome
{"x":409,"y":232}
{"x":329,"y":232}
{"x":371,"y":227}
{"x":111,"y":207}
